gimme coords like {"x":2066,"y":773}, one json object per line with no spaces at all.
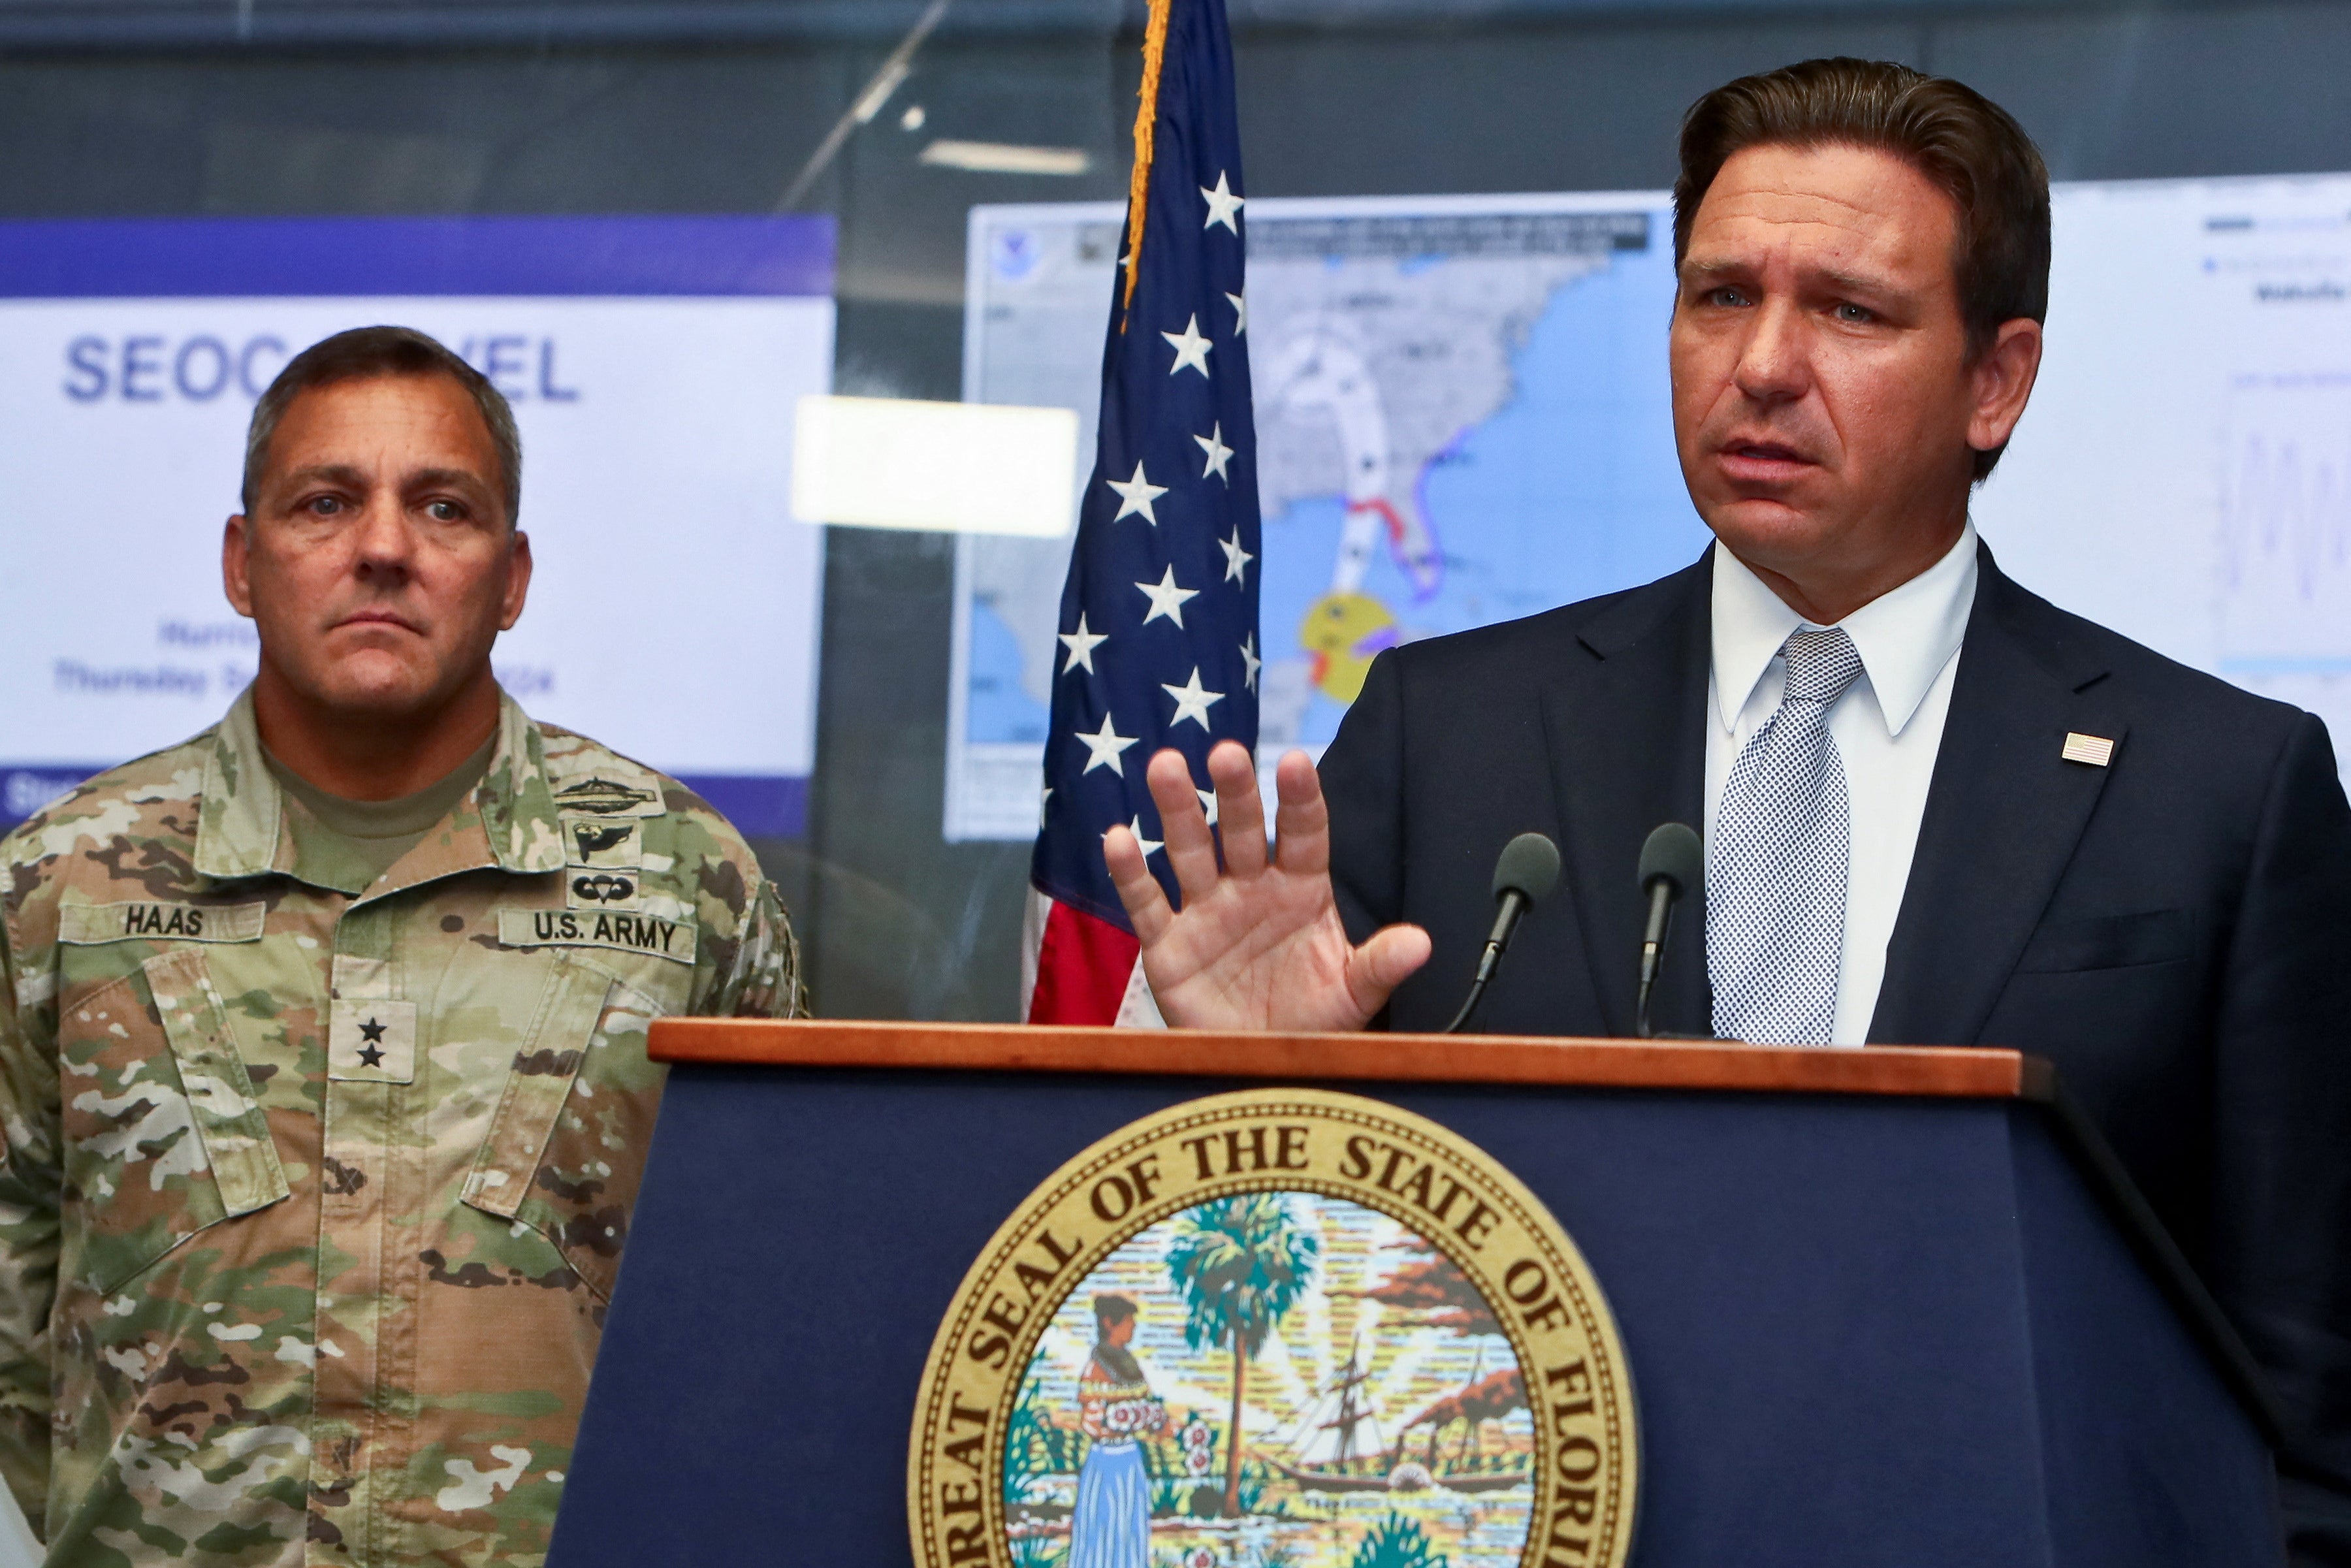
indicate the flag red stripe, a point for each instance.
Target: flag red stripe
{"x":1082,"y":967}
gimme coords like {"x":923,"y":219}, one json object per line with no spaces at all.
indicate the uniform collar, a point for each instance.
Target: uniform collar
{"x":509,"y":821}
{"x":517,"y":803}
{"x":241,"y":815}
{"x":1904,"y":637}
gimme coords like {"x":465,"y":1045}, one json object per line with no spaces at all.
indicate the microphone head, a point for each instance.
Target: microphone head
{"x":1529,"y":867}
{"x":1672,"y":854}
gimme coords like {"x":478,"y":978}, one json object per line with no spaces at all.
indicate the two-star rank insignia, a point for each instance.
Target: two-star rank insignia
{"x":373,"y":1041}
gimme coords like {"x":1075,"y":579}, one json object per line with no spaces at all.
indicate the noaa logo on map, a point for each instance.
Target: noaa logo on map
{"x":1015,"y":253}
{"x":1279,"y":1329}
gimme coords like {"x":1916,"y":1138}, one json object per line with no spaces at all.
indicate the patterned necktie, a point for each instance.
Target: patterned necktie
{"x":1775,"y":878}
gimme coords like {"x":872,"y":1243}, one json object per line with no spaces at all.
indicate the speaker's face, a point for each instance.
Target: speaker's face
{"x":1827,"y":407}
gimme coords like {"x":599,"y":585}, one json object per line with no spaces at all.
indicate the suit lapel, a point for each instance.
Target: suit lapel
{"x":2004,"y":814}
{"x":1625,"y":724}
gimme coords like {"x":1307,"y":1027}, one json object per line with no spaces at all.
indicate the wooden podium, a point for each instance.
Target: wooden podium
{"x":1893,"y":1307}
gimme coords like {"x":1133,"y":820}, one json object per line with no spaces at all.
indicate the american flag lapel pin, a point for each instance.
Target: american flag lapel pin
{"x":2094,"y":749}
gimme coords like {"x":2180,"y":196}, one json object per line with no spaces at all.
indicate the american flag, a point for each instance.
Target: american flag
{"x":1159,"y":630}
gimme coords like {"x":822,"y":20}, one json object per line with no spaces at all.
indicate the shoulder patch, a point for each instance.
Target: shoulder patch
{"x":604,"y":795}
{"x":148,"y":920}
{"x":604,"y":843}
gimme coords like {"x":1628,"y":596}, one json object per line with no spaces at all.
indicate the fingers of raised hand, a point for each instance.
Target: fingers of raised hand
{"x":1383,"y":963}
{"x":1241,"y":814}
{"x":1191,"y":851}
{"x":1147,"y":905}
{"x":1301,"y":822}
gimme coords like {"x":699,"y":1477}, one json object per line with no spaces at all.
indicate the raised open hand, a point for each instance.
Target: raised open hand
{"x":1259,"y":945}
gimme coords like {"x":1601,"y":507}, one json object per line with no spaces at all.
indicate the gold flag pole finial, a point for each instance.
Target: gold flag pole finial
{"x":1146,"y":120}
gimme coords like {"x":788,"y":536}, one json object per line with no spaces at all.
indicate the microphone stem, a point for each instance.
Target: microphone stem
{"x":1506,"y":920}
{"x":1469,"y":1004}
{"x":1653,"y":948}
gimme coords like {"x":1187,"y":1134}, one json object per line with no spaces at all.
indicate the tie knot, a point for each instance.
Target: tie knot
{"x":1821,"y":665}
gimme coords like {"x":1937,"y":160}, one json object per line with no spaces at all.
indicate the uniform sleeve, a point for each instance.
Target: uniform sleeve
{"x":30,"y":1181}
{"x":763,"y":979}
{"x":2282,"y":1092}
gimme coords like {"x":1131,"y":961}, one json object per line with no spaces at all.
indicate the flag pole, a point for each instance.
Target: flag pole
{"x":1146,"y":124}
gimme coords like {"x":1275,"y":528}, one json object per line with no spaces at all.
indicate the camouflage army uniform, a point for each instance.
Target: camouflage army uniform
{"x":315,"y":1189}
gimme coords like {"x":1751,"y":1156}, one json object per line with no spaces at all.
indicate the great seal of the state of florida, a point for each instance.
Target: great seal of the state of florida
{"x":1284,"y":1328}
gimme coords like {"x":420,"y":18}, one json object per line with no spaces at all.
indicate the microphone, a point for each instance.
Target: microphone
{"x":1672,"y":864}
{"x":1528,"y":870}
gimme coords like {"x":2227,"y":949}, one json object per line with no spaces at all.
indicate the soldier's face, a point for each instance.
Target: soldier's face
{"x":378,"y":565}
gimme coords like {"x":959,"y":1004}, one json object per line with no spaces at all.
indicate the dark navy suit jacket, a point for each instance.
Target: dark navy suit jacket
{"x":2173,"y":930}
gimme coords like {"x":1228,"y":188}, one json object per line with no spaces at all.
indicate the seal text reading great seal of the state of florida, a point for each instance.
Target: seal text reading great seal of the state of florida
{"x":1282,"y":1327}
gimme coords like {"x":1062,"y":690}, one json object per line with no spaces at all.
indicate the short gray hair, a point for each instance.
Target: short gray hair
{"x":362,"y":354}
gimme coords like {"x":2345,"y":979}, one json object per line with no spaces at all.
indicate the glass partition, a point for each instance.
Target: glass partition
{"x":144,"y":110}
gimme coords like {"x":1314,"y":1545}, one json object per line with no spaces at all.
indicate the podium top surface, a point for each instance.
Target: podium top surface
{"x":1933,"y":1072}
{"x":1699,"y":1066}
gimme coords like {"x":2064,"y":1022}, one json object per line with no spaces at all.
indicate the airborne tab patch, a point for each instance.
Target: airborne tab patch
{"x":148,"y":921}
{"x":647,"y":934}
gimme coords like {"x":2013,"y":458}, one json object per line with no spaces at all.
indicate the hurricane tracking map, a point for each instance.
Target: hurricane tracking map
{"x":1463,"y":417}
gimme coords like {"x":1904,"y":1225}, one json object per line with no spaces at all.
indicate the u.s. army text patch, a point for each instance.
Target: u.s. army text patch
{"x":648,"y":933}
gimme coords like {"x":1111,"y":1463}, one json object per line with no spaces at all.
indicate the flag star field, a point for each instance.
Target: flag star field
{"x":1159,"y":613}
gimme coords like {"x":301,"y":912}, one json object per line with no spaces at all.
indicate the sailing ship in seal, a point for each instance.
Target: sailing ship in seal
{"x":1338,"y":1445}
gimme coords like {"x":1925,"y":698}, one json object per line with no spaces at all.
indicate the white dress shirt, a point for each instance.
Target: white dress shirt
{"x":1887,"y":726}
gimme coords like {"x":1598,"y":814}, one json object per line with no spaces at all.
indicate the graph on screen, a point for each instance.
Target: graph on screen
{"x":2183,"y":474}
{"x":2286,"y":526}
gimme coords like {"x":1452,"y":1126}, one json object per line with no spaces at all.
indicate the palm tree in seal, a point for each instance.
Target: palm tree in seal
{"x":1241,"y":1263}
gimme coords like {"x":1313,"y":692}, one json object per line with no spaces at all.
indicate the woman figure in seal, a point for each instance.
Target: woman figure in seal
{"x":1111,"y":1526}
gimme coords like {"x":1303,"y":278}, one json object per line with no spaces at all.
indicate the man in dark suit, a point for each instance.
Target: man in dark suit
{"x":1938,"y":810}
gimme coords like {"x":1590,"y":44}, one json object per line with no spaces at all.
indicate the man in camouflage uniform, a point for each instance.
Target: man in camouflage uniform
{"x":321,"y":1139}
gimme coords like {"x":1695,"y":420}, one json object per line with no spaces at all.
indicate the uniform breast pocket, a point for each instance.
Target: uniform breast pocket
{"x":163,"y":1137}
{"x":2109,"y":942}
{"x":566,"y":1148}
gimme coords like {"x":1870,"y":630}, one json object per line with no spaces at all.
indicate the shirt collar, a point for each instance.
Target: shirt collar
{"x":241,"y":823}
{"x":1904,"y":636}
